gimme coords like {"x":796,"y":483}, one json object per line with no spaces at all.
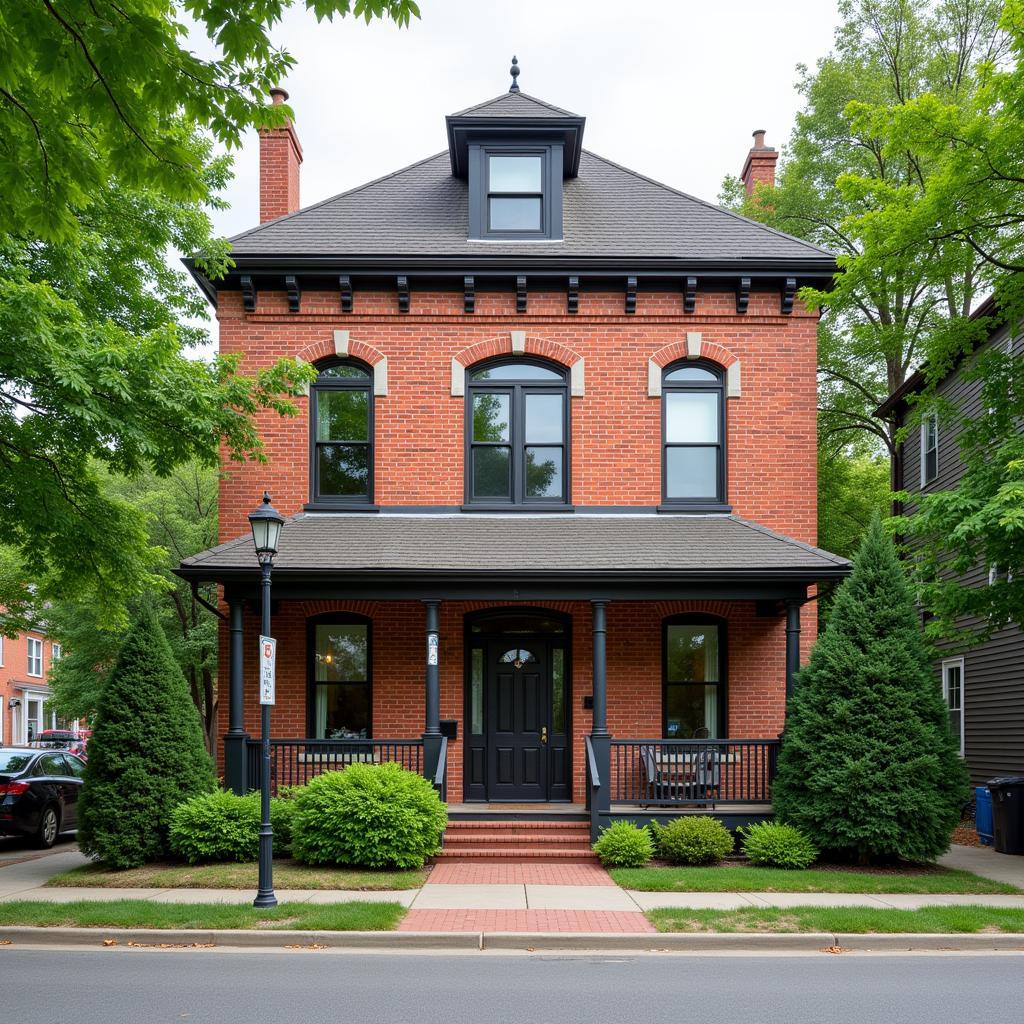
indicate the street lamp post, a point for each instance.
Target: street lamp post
{"x":266,"y":526}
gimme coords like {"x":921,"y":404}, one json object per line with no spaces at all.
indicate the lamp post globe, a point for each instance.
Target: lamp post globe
{"x":266,"y":523}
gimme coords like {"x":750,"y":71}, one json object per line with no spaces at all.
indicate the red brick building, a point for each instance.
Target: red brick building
{"x":25,"y":663}
{"x":552,"y":501}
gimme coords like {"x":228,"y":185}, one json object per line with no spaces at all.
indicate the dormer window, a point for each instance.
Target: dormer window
{"x":515,"y":191}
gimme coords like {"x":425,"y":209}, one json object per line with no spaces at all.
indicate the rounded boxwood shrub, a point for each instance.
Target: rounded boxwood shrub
{"x":216,"y":827}
{"x":624,"y":845}
{"x":222,"y":827}
{"x":772,"y":844}
{"x":693,"y":840}
{"x":369,"y":815}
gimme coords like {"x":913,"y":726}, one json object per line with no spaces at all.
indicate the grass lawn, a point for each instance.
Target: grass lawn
{"x":288,"y":874}
{"x":340,"y":917}
{"x":839,"y":919}
{"x":743,"y":878}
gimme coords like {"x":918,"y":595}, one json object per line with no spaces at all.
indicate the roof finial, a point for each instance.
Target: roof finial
{"x":514,"y":72}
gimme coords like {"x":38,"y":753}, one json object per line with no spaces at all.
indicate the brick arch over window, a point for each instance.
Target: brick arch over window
{"x":693,"y":346}
{"x":517,"y":343}
{"x":341,"y":345}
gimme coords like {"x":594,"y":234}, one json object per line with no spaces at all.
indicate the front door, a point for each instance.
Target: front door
{"x":517,"y":747}
{"x":518,"y":703}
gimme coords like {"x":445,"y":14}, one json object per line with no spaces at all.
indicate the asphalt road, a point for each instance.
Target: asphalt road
{"x":305,"y":987}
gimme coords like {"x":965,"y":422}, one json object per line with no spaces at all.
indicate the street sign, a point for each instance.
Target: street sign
{"x":268,"y":658}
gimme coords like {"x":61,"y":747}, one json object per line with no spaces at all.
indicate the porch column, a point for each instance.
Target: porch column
{"x":792,"y":645}
{"x":432,"y":728}
{"x":235,"y":739}
{"x":599,"y":736}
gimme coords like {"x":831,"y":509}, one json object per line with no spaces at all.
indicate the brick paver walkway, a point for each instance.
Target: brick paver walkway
{"x":482,"y":873}
{"x":524,"y":921}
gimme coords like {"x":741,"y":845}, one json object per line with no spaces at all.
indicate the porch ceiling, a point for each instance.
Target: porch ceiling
{"x":613,"y":548}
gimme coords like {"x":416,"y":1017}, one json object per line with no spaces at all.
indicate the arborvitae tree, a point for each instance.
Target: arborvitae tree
{"x":146,"y":754}
{"x":869,"y":768}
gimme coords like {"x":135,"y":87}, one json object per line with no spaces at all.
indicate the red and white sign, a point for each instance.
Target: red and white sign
{"x":268,"y":660}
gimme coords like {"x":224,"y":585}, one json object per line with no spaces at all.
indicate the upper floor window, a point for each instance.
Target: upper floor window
{"x":517,"y":434}
{"x":341,"y":415}
{"x":56,"y":651}
{"x":693,"y":428}
{"x":929,"y":448}
{"x":953,"y":694}
{"x":35,"y":656}
{"x":515,"y":192}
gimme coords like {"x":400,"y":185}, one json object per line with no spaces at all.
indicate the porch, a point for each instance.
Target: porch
{"x":610,"y":666}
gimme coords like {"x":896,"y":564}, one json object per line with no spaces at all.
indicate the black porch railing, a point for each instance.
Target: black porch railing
{"x":692,"y":773}
{"x":295,"y":762}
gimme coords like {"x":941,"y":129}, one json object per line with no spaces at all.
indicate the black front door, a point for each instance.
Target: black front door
{"x":518,"y":727}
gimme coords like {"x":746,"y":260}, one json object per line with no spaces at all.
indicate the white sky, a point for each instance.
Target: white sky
{"x":671,"y":88}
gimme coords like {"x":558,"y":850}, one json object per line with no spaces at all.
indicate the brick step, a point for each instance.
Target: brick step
{"x":513,"y":854}
{"x":457,"y":824}
{"x":517,"y":838}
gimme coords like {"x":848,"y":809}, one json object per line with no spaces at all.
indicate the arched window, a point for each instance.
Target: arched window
{"x":693,"y":431}
{"x":341,"y":417}
{"x":340,"y":684}
{"x":693,"y":648}
{"x":517,"y":434}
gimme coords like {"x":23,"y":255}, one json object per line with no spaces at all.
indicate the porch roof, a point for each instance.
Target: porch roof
{"x":470,"y":546}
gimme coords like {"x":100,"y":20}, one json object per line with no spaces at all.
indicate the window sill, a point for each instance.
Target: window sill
{"x":518,"y":509}
{"x":323,"y":506}
{"x":694,"y":508}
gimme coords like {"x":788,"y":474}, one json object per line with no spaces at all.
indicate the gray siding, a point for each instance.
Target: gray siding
{"x":993,"y":679}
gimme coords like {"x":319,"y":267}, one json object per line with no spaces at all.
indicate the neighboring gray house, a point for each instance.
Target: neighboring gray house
{"x":984,"y":685}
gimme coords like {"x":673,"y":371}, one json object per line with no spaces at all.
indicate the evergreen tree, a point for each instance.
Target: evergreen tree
{"x":146,"y":754}
{"x":868,"y":766}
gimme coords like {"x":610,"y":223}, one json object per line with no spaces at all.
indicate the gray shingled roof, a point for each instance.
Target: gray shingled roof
{"x":514,"y":104}
{"x":353,"y":542}
{"x":608,"y":211}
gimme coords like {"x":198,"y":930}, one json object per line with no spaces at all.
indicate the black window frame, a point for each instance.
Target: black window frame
{"x":317,"y":499}
{"x":518,"y":391}
{"x":702,"y":504}
{"x":697,"y":619}
{"x":335,"y":619}
{"x":550,"y":195}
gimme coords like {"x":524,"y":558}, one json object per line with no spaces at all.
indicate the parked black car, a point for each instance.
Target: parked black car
{"x":39,"y":792}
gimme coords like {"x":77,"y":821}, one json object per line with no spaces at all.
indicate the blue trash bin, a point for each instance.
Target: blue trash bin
{"x":983,"y":815}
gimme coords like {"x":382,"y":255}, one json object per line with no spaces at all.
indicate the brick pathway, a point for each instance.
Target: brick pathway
{"x":481,"y":873}
{"x":524,"y":921}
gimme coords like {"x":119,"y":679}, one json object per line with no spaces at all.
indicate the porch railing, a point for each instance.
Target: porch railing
{"x":692,"y":773}
{"x":295,"y":762}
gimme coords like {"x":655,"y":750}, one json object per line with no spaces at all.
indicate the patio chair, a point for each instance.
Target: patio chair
{"x":659,"y":784}
{"x":706,"y":781}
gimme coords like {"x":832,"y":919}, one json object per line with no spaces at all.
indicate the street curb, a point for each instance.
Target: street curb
{"x":239,"y":938}
{"x":641,"y":942}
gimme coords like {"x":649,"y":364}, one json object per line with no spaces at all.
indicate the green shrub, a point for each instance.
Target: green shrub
{"x":624,"y":845}
{"x":868,"y":768}
{"x":771,"y":844}
{"x":693,"y":840}
{"x":369,"y":815}
{"x":222,"y":827}
{"x":146,"y":753}
{"x":216,"y":827}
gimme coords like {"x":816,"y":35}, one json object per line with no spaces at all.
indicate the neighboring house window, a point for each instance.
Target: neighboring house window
{"x":953,"y":694}
{"x":693,"y":429}
{"x":517,"y":434}
{"x":35,"y":657}
{"x":1,"y":662}
{"x":516,"y":192}
{"x":341,"y":414}
{"x":694,"y":700}
{"x":55,"y":652}
{"x":341,"y":693}
{"x":929,"y":448}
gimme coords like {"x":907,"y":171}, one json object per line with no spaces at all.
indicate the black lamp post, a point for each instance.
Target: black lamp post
{"x":266,"y":525}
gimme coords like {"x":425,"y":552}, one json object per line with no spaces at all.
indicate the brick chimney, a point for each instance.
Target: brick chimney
{"x":759,"y":168}
{"x":280,"y":157}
